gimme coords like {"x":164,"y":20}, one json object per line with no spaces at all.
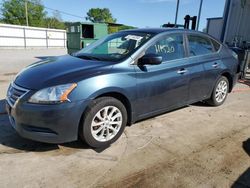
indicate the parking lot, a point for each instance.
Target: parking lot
{"x":195,"y":146}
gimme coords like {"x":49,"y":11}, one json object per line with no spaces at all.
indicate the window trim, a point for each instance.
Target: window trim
{"x":141,"y":52}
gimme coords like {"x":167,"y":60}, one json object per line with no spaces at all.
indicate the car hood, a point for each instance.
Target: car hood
{"x":59,"y":70}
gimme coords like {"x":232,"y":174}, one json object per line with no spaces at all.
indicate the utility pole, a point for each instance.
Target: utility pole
{"x":199,"y":15}
{"x":26,"y":12}
{"x":176,"y":13}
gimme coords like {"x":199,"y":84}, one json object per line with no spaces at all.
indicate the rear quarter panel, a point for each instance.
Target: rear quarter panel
{"x":230,"y":63}
{"x":228,"y":59}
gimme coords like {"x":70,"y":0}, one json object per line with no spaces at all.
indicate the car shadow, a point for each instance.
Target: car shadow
{"x":9,"y":138}
{"x":201,"y":104}
{"x":244,"y":179}
{"x":246,"y":146}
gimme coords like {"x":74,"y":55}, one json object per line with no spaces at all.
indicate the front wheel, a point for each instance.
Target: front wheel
{"x":220,"y":92}
{"x":104,"y":122}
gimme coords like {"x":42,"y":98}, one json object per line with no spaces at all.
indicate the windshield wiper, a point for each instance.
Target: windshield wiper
{"x":88,"y":57}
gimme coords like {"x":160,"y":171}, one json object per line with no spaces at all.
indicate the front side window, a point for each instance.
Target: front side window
{"x":170,"y":47}
{"x":199,"y":45}
{"x":115,"y":47}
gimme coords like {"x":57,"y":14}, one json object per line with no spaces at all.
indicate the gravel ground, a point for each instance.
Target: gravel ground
{"x":195,"y":146}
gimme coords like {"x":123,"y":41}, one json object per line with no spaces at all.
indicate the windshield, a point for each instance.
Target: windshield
{"x":115,"y":47}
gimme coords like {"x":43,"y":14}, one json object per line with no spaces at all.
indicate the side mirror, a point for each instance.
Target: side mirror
{"x":150,"y":59}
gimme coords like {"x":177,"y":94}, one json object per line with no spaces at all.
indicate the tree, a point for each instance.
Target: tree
{"x":116,"y":28}
{"x":52,"y":22}
{"x":57,"y":15}
{"x":13,"y":12}
{"x":100,"y":15}
{"x":126,"y":27}
{"x":55,"y":21}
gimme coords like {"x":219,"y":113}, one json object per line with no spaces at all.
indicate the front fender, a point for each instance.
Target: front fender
{"x":93,"y":87}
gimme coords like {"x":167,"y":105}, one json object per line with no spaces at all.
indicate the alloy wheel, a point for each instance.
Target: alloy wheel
{"x":106,"y":123}
{"x":221,"y":91}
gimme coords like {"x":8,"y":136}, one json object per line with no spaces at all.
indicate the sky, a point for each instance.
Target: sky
{"x":140,"y":13}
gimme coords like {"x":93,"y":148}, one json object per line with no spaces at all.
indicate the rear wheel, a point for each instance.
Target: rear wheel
{"x":220,"y":92}
{"x":104,"y":122}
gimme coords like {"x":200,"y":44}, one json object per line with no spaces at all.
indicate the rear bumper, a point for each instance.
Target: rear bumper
{"x":47,"y":123}
{"x":235,"y":79}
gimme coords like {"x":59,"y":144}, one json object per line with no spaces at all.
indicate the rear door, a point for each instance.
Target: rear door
{"x":163,"y":86}
{"x":205,"y":66}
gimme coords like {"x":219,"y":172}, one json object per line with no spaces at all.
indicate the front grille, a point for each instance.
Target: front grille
{"x":14,"y":93}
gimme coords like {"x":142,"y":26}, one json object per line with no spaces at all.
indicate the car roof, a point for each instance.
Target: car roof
{"x":156,"y":31}
{"x":150,"y":30}
{"x":160,"y":30}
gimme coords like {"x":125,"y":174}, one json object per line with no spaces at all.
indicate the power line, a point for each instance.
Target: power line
{"x":63,"y":12}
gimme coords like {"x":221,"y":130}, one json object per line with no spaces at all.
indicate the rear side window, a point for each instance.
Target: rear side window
{"x":199,"y":45}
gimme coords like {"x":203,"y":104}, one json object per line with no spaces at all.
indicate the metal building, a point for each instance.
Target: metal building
{"x":234,"y":27}
{"x":214,"y":27}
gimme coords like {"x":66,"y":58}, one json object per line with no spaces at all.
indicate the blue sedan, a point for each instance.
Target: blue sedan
{"x":120,"y":79}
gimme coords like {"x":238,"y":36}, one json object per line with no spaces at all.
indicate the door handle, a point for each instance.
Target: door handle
{"x":182,"y":71}
{"x":215,"y":65}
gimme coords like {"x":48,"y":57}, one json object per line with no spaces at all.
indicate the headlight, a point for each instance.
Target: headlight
{"x":52,"y":95}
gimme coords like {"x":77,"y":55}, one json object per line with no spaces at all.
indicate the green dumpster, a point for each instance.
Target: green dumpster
{"x":80,"y":35}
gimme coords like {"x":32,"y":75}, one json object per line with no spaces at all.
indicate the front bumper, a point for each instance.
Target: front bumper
{"x":47,"y":123}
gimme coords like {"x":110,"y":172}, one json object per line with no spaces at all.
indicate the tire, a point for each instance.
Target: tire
{"x":104,"y":122}
{"x":220,"y":92}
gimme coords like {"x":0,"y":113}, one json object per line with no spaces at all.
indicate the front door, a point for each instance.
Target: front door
{"x":164,"y":86}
